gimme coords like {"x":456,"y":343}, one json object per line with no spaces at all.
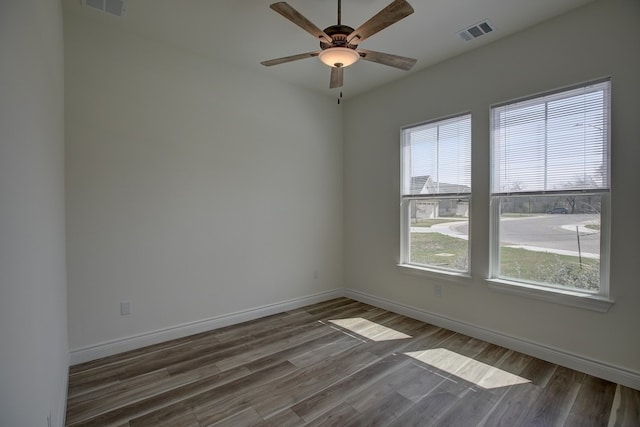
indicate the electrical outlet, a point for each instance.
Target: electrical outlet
{"x":125,"y":308}
{"x":437,"y":291}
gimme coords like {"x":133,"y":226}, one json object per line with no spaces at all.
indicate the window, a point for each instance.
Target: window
{"x":550,"y":190}
{"x":436,"y":191}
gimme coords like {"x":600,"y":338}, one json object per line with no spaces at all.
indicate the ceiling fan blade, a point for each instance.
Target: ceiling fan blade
{"x":291,"y":58}
{"x":391,"y":14}
{"x":296,"y":17}
{"x":337,"y":77}
{"x":396,"y":61}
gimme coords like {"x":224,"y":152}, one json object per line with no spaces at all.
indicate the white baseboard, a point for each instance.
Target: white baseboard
{"x":109,"y":348}
{"x":573,"y":361}
{"x":569,"y":360}
{"x":60,"y":418}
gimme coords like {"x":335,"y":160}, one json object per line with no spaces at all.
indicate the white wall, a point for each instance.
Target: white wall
{"x":598,"y":40}
{"x":194,"y":190}
{"x":33,"y":320}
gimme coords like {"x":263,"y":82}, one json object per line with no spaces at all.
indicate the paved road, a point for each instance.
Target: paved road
{"x":552,"y":233}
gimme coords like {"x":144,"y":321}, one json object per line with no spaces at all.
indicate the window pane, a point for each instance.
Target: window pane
{"x":551,"y":240}
{"x":437,"y":157}
{"x":439,"y":233}
{"x":552,"y":143}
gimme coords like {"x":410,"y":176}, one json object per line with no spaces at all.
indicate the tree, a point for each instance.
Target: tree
{"x":586,"y":181}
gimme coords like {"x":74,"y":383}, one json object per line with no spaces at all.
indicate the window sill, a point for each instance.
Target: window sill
{"x":558,"y":296}
{"x":414,"y":270}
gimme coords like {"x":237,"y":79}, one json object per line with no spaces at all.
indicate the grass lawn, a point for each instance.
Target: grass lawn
{"x":444,"y":251}
{"x":549,"y":268}
{"x":593,"y":226}
{"x":439,"y":250}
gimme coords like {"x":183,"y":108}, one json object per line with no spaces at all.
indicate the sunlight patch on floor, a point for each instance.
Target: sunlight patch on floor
{"x":478,"y":373}
{"x":369,"y":329}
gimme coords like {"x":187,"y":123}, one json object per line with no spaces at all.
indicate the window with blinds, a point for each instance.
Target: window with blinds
{"x":435,"y":191}
{"x":550,"y":186}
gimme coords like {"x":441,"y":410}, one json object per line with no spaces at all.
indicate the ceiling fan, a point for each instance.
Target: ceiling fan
{"x":339,"y":43}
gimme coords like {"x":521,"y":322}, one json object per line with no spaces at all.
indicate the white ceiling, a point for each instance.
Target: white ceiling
{"x":245,"y":32}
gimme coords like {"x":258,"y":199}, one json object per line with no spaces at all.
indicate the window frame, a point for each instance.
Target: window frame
{"x":405,"y":263}
{"x":597,"y":301}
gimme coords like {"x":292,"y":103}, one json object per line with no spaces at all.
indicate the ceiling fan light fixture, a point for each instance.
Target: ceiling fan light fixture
{"x":338,"y":55}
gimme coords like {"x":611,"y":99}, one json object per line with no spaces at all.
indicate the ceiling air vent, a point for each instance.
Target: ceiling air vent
{"x":112,"y":7}
{"x":475,"y":31}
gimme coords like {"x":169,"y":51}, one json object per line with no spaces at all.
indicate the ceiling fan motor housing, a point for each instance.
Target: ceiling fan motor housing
{"x":338,"y":34}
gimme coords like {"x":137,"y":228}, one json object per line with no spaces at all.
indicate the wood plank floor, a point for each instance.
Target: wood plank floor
{"x":339,"y":363}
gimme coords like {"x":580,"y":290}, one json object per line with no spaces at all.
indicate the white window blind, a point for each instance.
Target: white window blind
{"x":437,"y":157}
{"x":552,"y":143}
